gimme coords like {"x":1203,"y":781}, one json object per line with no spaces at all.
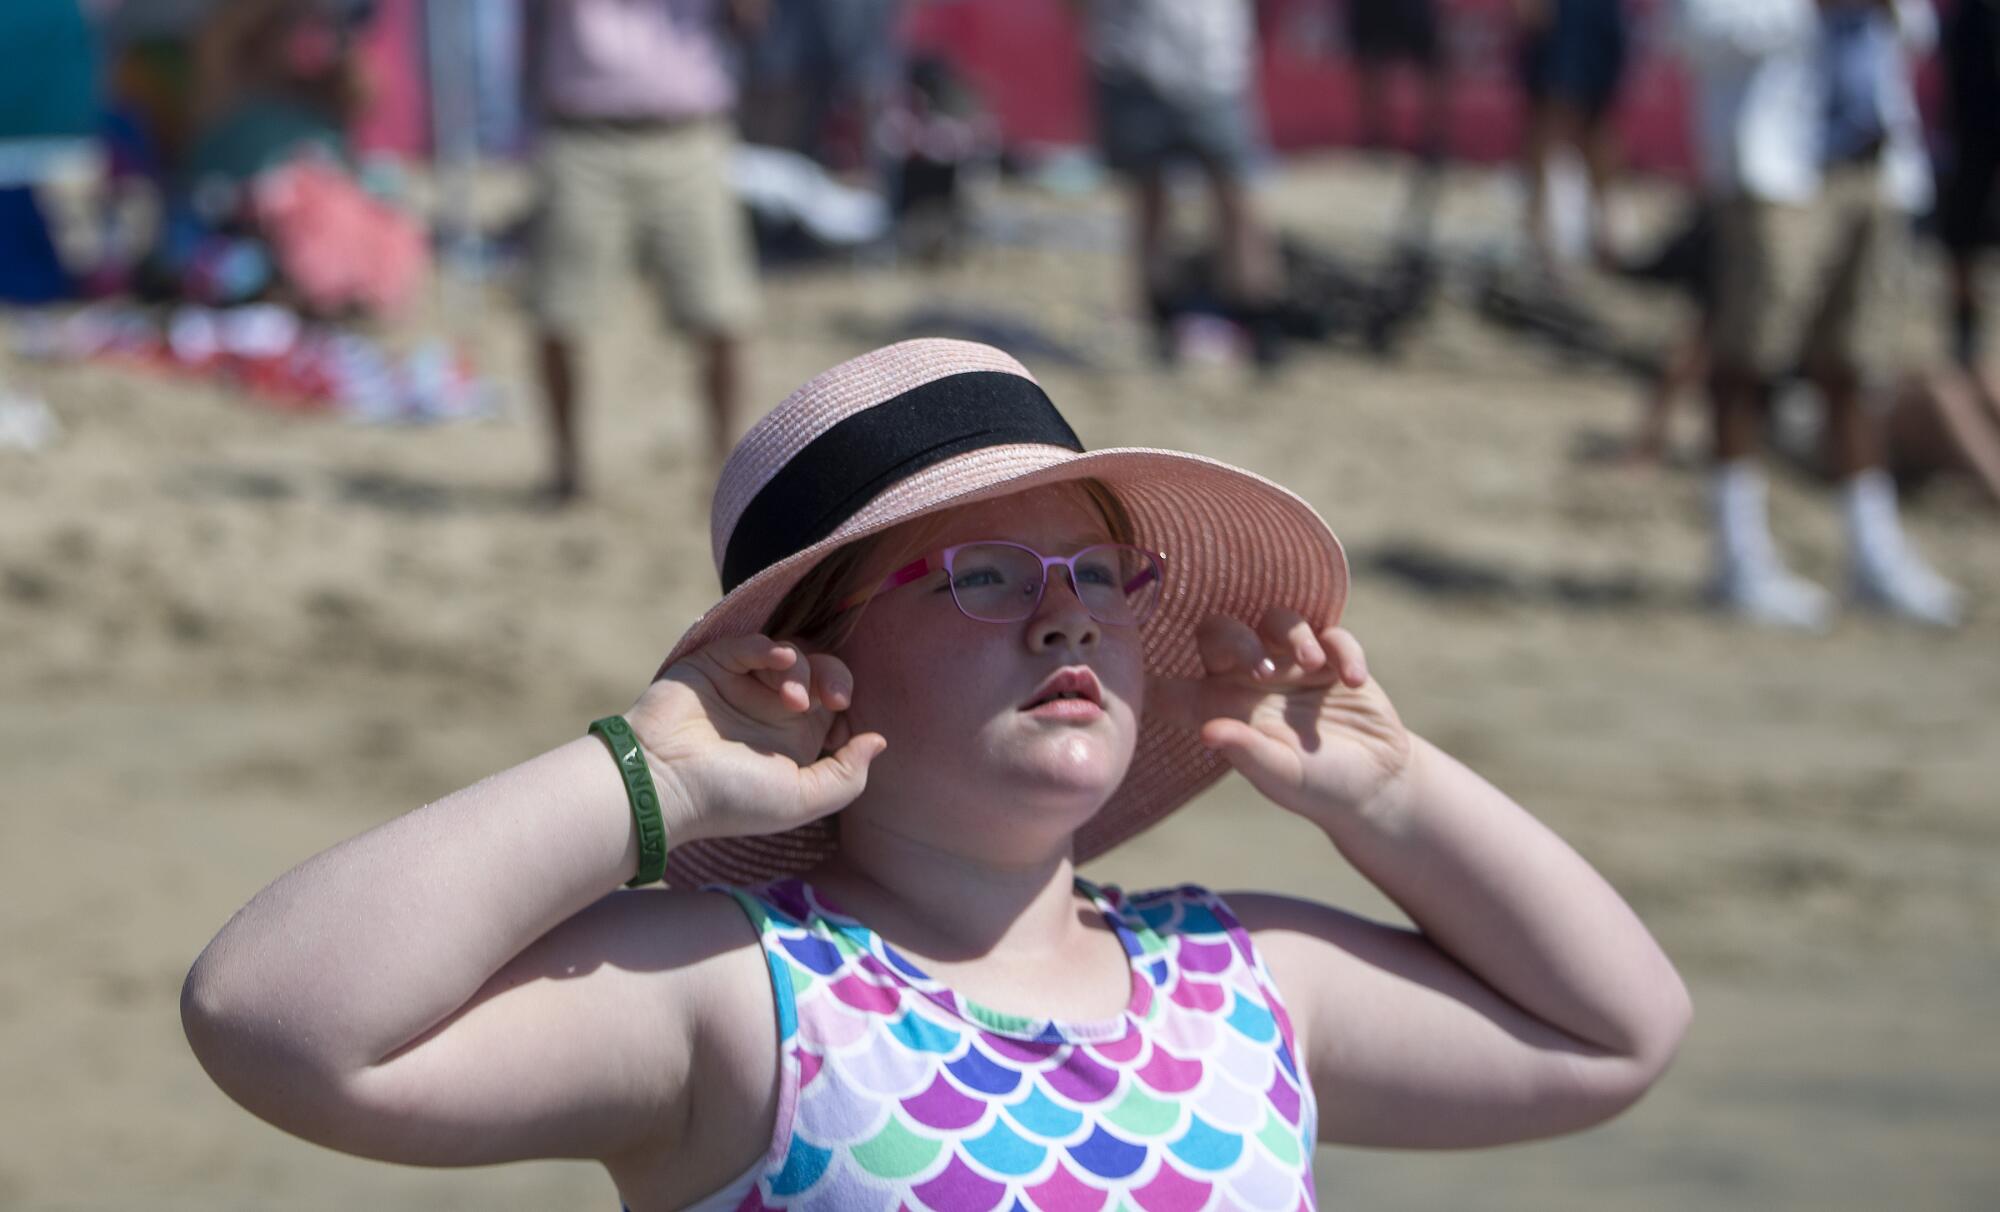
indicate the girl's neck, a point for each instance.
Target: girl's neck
{"x":950,"y":906}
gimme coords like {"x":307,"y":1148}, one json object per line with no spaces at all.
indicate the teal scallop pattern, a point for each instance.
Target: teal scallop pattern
{"x":898,"y":1094}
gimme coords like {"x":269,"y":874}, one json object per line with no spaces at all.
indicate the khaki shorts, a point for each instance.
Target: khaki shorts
{"x":1821,"y":285}
{"x":657,"y":195}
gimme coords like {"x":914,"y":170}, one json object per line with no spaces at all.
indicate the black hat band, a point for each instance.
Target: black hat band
{"x":841,"y":470}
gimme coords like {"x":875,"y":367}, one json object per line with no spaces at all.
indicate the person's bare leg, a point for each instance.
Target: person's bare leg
{"x":556,"y":360}
{"x":722,"y":386}
{"x":1148,"y":253}
{"x":1373,"y":134}
{"x":1686,"y":366}
{"x":1965,"y":317}
{"x":1250,"y":272}
{"x":1852,"y":444}
{"x":1537,"y":146}
{"x":1735,"y":400}
{"x":1249,"y":258}
{"x":1436,"y":134}
{"x":1149,"y":233}
{"x":1601,"y":161}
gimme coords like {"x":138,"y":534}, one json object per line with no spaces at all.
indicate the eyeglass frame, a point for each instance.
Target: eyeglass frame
{"x":922,"y":567}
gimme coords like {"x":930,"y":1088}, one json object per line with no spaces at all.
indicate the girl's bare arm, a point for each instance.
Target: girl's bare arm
{"x":456,"y":986}
{"x":1529,"y":1000}
{"x":453,"y":987}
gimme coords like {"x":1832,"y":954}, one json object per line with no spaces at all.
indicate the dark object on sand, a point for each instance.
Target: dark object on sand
{"x":1684,"y":260}
{"x":1329,"y":298}
{"x":1438,"y":573}
{"x":1325,"y":298}
{"x":1022,"y":337}
{"x":1539,"y":310}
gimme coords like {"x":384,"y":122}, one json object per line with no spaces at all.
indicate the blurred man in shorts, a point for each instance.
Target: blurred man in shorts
{"x":1813,"y":154}
{"x":1174,"y":81}
{"x":636,"y":99}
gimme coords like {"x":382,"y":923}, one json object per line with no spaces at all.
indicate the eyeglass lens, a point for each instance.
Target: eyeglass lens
{"x":999,"y":582}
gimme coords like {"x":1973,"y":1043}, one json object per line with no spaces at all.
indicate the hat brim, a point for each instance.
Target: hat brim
{"x":1236,"y":544}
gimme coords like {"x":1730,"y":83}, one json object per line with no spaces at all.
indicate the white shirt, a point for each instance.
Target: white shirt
{"x":1183,"y":48}
{"x":1760,"y":99}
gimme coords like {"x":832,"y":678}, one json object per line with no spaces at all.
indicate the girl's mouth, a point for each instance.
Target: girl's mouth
{"x":1068,"y":694}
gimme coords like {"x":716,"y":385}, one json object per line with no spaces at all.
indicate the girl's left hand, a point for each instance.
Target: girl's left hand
{"x":1295,"y":712}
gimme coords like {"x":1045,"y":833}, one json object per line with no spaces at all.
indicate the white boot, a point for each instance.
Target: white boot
{"x":1750,"y":580}
{"x":1884,"y":570}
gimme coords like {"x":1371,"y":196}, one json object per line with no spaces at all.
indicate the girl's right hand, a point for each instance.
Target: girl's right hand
{"x":745,"y":737}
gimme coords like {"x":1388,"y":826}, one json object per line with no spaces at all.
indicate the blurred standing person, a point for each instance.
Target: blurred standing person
{"x":1972,"y":126}
{"x":1175,"y":81}
{"x":1382,"y":34}
{"x":1813,"y":152}
{"x":1572,"y":60}
{"x":635,"y":99}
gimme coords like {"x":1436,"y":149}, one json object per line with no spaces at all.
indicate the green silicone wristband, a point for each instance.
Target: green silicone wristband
{"x":639,"y":790}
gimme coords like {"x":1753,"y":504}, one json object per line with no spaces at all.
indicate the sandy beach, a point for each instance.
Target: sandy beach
{"x":230,"y":637}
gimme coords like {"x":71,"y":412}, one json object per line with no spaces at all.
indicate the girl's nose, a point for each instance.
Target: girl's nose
{"x":1060,"y":619}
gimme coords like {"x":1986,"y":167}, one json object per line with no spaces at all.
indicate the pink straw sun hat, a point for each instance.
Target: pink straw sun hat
{"x":923,"y":426}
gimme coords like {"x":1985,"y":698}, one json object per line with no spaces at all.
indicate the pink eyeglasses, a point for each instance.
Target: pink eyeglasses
{"x":994,"y":581}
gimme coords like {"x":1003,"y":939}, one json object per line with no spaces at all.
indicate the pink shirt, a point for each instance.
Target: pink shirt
{"x":633,"y":59}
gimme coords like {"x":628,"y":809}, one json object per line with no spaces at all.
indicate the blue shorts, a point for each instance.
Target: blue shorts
{"x":1578,"y":57}
{"x":1388,"y":31}
{"x":1140,"y":131}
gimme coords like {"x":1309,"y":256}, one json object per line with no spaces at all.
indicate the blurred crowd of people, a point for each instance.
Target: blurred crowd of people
{"x":187,"y":110}
{"x":1815,"y":165}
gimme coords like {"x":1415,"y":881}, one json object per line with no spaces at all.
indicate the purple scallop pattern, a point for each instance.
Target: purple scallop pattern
{"x":1284,"y":1095}
{"x":944,"y":1107}
{"x":1081,"y":1080}
{"x":960,"y":1189}
{"x":855,"y":1082}
{"x":1208,"y":959}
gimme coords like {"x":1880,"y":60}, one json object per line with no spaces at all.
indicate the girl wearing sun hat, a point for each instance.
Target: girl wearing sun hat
{"x":956,"y":654}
